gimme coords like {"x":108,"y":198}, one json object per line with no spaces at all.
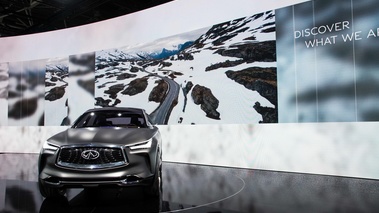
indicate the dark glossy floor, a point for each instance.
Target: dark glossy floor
{"x":193,"y":188}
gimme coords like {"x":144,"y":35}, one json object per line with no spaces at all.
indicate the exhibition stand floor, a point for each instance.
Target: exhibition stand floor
{"x":193,"y":188}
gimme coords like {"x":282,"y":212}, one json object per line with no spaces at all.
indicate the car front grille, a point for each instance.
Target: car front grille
{"x":91,"y":157}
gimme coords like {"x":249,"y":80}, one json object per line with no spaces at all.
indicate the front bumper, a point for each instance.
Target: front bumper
{"x":130,"y":180}
{"x":138,"y":171}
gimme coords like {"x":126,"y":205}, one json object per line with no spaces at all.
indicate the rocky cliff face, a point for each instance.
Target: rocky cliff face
{"x":261,"y":51}
{"x":125,"y":76}
{"x":159,"y":92}
{"x":102,"y":102}
{"x":136,"y":86}
{"x":269,"y":115}
{"x":113,"y":90}
{"x":262,"y":80}
{"x":224,"y":64}
{"x":208,"y":102}
{"x":55,"y":93}
{"x":188,"y":87}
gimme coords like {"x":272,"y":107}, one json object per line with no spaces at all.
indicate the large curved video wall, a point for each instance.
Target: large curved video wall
{"x":221,"y":74}
{"x":287,"y":86}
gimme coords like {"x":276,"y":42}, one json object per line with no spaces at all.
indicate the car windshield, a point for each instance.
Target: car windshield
{"x":110,"y":119}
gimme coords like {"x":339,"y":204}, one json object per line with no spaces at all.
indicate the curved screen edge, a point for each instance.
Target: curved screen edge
{"x":139,"y":27}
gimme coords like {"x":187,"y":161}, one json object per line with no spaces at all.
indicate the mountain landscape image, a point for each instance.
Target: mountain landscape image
{"x":56,"y":98}
{"x":222,"y":74}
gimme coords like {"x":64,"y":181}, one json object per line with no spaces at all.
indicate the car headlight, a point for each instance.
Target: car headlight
{"x":142,"y":145}
{"x":49,"y":147}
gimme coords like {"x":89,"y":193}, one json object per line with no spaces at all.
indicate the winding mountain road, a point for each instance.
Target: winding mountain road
{"x":162,"y":113}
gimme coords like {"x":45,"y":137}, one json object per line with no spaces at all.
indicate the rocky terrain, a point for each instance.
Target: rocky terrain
{"x":262,"y":80}
{"x":208,"y":102}
{"x":136,"y":86}
{"x":55,"y":79}
{"x":223,"y":66}
{"x":159,"y":92}
{"x":263,"y":51}
{"x":56,"y":92}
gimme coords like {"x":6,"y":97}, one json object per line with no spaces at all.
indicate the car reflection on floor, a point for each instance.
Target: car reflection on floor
{"x":103,"y":200}
{"x":193,"y":189}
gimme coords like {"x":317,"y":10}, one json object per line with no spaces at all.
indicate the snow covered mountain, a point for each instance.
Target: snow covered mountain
{"x":119,"y":54}
{"x":226,"y":75}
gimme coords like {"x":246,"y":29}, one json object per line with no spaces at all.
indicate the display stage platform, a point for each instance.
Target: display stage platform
{"x":193,"y":188}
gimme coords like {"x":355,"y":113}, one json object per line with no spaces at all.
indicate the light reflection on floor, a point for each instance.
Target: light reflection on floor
{"x":193,"y":188}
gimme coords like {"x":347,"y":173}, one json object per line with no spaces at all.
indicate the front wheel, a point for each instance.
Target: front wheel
{"x":50,"y":191}
{"x":155,"y":188}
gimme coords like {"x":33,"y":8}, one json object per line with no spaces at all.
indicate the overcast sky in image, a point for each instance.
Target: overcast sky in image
{"x":169,"y":19}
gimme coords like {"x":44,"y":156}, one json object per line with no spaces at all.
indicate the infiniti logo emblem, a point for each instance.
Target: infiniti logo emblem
{"x":90,"y":154}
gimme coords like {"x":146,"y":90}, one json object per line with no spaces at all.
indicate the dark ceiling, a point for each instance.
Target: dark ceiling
{"x":20,"y":17}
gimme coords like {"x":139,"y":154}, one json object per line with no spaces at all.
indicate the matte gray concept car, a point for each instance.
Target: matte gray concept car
{"x":105,"y":147}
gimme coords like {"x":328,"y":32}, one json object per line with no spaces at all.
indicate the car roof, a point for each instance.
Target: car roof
{"x":125,"y":109}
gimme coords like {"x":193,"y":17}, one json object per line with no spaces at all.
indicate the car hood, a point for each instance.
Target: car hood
{"x":114,"y":136}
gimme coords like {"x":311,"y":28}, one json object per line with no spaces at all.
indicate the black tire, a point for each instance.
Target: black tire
{"x":155,"y":189}
{"x":49,"y":191}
